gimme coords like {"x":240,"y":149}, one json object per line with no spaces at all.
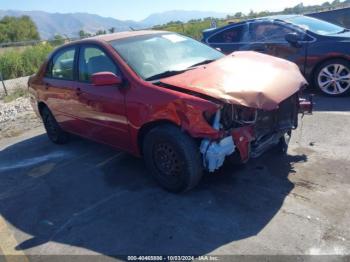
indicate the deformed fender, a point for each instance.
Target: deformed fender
{"x":185,"y":112}
{"x":192,"y":121}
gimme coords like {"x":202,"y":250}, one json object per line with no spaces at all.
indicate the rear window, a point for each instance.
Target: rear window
{"x":62,"y":65}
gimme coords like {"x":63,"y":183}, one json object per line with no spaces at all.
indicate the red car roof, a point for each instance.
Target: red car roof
{"x":127,"y":34}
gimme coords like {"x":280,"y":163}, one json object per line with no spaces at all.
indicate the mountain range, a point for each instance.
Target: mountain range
{"x":69,"y":24}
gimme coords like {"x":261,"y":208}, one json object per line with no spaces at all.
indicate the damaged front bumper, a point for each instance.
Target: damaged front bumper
{"x":250,"y":141}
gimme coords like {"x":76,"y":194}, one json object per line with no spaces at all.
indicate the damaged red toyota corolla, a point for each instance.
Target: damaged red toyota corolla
{"x":180,"y":104}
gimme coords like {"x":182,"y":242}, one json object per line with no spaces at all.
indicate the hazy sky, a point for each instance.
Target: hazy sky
{"x":140,"y":9}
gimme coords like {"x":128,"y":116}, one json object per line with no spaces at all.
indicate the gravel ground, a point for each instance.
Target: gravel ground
{"x":17,"y":117}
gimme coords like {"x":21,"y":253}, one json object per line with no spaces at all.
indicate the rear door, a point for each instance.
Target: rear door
{"x":230,"y":39}
{"x":60,"y":88}
{"x":102,"y":107}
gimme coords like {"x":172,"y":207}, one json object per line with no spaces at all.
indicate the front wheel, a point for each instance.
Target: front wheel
{"x":173,"y":157}
{"x":332,"y":77}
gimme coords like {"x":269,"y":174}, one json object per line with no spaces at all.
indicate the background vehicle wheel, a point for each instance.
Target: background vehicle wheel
{"x":53,"y":130}
{"x":173,"y":158}
{"x":332,"y":77}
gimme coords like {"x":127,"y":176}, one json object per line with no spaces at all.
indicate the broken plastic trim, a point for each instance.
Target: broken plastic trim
{"x":214,"y":153}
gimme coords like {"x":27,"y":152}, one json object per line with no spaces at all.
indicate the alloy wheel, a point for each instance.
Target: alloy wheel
{"x":334,"y":79}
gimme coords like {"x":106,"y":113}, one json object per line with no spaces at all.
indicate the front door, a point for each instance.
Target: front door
{"x":269,"y":37}
{"x":103,"y":108}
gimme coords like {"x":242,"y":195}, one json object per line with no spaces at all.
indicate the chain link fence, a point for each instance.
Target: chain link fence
{"x":10,"y":86}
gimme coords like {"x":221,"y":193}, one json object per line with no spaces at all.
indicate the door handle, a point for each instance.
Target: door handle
{"x":260,"y":49}
{"x":78,"y":91}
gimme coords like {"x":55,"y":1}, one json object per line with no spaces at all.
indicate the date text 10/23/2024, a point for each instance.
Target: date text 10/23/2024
{"x":172,"y":258}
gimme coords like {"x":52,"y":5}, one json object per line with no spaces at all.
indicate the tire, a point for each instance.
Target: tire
{"x":53,"y":130}
{"x":173,"y":158}
{"x":332,"y":77}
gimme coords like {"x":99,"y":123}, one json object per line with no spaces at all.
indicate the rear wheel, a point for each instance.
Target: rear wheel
{"x":173,"y":158}
{"x":332,"y":77}
{"x":53,"y":130}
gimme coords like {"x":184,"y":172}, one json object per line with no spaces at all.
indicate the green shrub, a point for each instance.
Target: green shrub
{"x":15,"y":64}
{"x":192,"y":29}
{"x":33,"y":57}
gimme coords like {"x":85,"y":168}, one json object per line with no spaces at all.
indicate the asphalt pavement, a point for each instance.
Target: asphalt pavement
{"x":84,"y":198}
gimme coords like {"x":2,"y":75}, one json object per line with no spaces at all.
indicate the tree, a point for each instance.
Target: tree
{"x":111,"y":30}
{"x":16,"y":29}
{"x":101,"y":32}
{"x":57,"y":40}
{"x":238,"y":15}
{"x":252,"y":14}
{"x":83,"y":34}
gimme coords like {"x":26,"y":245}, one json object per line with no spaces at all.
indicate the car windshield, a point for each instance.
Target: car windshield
{"x":159,"y":55}
{"x":317,"y":26}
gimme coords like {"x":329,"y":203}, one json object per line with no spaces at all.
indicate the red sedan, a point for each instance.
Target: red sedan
{"x":180,"y":104}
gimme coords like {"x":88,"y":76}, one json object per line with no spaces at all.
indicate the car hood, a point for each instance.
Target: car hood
{"x":244,"y":78}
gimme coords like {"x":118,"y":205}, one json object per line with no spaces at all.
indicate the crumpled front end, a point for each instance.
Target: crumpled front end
{"x":260,"y":102}
{"x":248,"y":133}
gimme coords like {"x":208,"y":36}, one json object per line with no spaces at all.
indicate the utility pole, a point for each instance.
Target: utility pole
{"x":3,"y":84}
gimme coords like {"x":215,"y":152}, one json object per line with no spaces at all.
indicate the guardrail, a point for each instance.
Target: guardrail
{"x":337,"y":16}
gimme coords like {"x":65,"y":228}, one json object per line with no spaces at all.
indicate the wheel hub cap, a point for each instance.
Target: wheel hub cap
{"x":166,"y":160}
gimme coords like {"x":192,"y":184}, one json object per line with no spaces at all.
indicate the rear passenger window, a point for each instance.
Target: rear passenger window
{"x":234,"y":34}
{"x":62,"y":66}
{"x":93,"y":60}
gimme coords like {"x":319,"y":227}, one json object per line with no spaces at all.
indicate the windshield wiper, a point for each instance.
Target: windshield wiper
{"x":165,"y":74}
{"x":208,"y":61}
{"x":176,"y":72}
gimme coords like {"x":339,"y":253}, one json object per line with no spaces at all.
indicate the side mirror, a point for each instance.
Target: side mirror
{"x":105,"y":79}
{"x":293,"y":39}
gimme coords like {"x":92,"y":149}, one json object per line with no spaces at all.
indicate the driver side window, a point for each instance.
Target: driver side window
{"x":268,"y":32}
{"x":93,"y":60}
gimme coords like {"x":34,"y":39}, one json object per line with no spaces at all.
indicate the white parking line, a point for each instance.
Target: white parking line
{"x":8,"y":243}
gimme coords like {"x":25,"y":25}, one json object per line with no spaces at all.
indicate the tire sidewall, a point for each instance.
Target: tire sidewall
{"x":60,"y":137}
{"x":186,"y":151}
